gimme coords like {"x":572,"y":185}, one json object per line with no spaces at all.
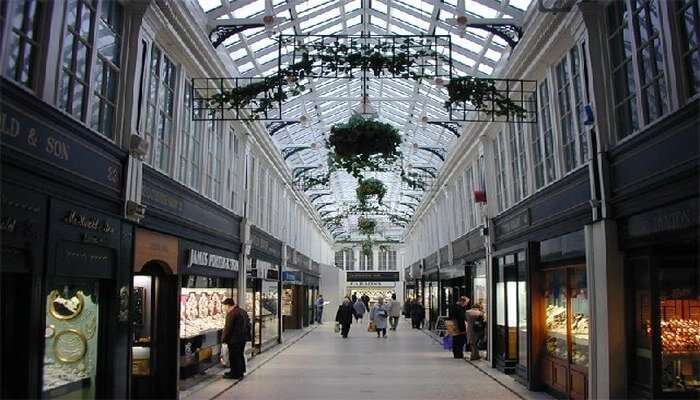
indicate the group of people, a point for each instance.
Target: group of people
{"x":381,"y":314}
{"x":414,"y":310}
{"x":470,"y":328}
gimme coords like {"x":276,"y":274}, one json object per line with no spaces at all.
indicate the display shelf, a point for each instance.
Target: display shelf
{"x":202,"y":333}
{"x":67,"y":388}
{"x":681,"y":356}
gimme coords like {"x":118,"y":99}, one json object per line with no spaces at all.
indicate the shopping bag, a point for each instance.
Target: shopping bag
{"x":337,"y":327}
{"x":224,"y":355}
{"x":452,"y":329}
{"x":447,"y":342}
{"x":372,"y":327}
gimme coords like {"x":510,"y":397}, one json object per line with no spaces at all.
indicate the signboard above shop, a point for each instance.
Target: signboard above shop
{"x":372,"y":284}
{"x":372,"y":276}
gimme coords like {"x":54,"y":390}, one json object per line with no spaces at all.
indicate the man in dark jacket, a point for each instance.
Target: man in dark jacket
{"x":460,"y":319}
{"x":236,"y":333}
{"x":417,"y":314}
{"x":344,"y":316}
{"x":365,"y":299}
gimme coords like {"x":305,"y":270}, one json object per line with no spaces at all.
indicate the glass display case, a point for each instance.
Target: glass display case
{"x":510,"y":274}
{"x":564,"y":367}
{"x":201,"y":310}
{"x":679,"y":326}
{"x":71,"y":339}
{"x":556,"y":315}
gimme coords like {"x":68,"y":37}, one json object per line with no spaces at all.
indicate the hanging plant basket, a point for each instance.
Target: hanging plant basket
{"x":370,"y":187}
{"x":363,"y":144}
{"x":366,"y":225}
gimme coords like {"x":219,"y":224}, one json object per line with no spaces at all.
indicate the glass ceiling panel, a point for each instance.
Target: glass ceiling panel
{"x":399,"y":102}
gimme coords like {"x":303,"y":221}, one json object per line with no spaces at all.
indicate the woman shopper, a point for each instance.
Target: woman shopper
{"x":475,"y":330}
{"x":394,"y":312}
{"x":359,"y":307}
{"x":379,"y":315}
{"x":344,"y":317}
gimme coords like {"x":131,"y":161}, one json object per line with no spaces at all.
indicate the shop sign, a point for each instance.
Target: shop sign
{"x":372,"y":276}
{"x":291,"y":276}
{"x":204,"y":259}
{"x":34,"y":136}
{"x":372,"y":284}
{"x":678,"y":216}
{"x":264,"y":244}
{"x":513,"y":223}
{"x":87,"y":222}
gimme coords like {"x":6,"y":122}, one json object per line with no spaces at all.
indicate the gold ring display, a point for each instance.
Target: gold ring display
{"x":69,"y":346}
{"x":65,"y":309}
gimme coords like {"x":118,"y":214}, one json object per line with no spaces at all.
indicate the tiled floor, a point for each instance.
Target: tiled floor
{"x":407,"y":365}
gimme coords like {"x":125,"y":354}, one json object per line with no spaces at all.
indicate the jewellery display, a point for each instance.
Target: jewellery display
{"x":680,"y":336}
{"x":555,"y":327}
{"x":91,"y":327}
{"x":201,"y":310}
{"x":63,"y":308}
{"x":57,"y":375}
{"x":49,"y":331}
{"x":70,"y":345}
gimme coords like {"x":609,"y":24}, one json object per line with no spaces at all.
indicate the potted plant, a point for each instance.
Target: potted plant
{"x":366,"y":225}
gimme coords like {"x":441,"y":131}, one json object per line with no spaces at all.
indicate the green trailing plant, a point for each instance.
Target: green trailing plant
{"x":367,"y":245}
{"x":363,"y":144}
{"x":366,"y":225}
{"x":413,"y":180}
{"x":370,"y":187}
{"x":482,"y":94}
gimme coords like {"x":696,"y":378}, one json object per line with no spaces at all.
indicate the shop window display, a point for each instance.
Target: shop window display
{"x":266,"y":313}
{"x":201,"y":310}
{"x":71,"y":340}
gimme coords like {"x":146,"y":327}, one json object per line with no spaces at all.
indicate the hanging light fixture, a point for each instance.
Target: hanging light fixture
{"x":304,"y":121}
{"x":270,"y":22}
{"x":424,"y":120}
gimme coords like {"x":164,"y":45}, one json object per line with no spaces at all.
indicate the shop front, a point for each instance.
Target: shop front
{"x":266,"y":260}
{"x":431,"y":284}
{"x":453,"y":283}
{"x":65,"y":256}
{"x":311,"y":285}
{"x":374,"y":284}
{"x":539,"y":316}
{"x":186,"y":262}
{"x":292,"y":293}
{"x":409,"y":284}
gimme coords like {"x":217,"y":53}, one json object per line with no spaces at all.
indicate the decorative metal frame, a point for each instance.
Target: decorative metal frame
{"x":220,"y":33}
{"x":290,"y":151}
{"x":521,"y":91}
{"x":441,"y":152}
{"x":511,"y":33}
{"x":205,"y":109}
{"x":453,"y":127}
{"x":276,"y":126}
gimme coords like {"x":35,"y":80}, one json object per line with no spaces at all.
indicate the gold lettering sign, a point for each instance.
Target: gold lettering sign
{"x":86,"y":222}
{"x":54,"y":147}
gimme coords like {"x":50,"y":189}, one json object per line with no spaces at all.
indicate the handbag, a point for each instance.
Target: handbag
{"x":452,"y":328}
{"x":337,"y":327}
{"x":447,"y":342}
{"x":372,"y":327}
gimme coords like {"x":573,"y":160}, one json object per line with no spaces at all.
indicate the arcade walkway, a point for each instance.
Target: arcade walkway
{"x":407,"y":365}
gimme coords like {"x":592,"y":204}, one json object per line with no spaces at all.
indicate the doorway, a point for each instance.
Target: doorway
{"x":155,"y":325}
{"x":15,"y":340}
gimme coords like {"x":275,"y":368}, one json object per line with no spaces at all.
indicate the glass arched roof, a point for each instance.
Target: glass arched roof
{"x":402,"y":103}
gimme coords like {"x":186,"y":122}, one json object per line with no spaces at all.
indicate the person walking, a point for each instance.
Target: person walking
{"x":344,"y":317}
{"x":460,"y":339}
{"x":407,"y":308}
{"x":475,"y":330}
{"x":365,"y":299}
{"x":237,"y":332}
{"x":359,"y":308}
{"x":320,"y":302}
{"x":354,"y":297}
{"x":417,"y":314}
{"x":379,"y":315}
{"x":394,"y":312}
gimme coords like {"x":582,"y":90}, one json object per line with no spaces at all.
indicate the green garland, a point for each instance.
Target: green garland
{"x":367,"y":245}
{"x":366,"y":225}
{"x":369,"y":187}
{"x":480,"y":93}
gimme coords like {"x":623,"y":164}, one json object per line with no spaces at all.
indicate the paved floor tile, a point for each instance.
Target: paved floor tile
{"x":407,"y":365}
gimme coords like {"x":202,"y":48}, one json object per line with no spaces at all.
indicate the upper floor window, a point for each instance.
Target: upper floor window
{"x":215,"y":158}
{"x":349,"y":260}
{"x":339,"y":259}
{"x":391,"y":260}
{"x":366,"y":261}
{"x":470,"y":188}
{"x":501,"y":190}
{"x":190,"y":144}
{"x":688,"y":17}
{"x":160,"y":109}
{"x":21,"y":22}
{"x":637,"y":61}
{"x":574,"y":142}
{"x":381,"y":260}
{"x":544,"y":155}
{"x":519,"y":160}
{"x":90,"y":62}
{"x":233,"y":170}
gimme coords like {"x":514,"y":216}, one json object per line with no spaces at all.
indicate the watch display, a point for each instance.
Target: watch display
{"x":201,"y":310}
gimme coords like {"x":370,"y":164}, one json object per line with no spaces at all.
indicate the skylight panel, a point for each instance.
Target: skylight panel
{"x":357,"y":20}
{"x":334,"y":29}
{"x":493,"y":55}
{"x":409,"y":19}
{"x":249,"y":10}
{"x":245,"y":67}
{"x":485,"y":69}
{"x":238,"y":54}
{"x":319,"y":19}
{"x":520,"y":4}
{"x":307,"y":6}
{"x":467,"y":44}
{"x":208,"y":5}
{"x":261,"y":44}
{"x":264,"y":59}
{"x":479,"y":9}
{"x":379,"y":6}
{"x":353,"y":5}
{"x":376,"y":21}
